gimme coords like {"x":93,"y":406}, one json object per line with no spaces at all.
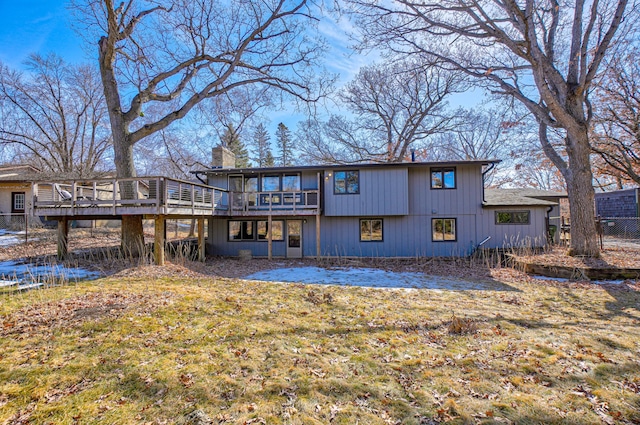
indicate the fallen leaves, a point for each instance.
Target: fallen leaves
{"x":77,"y":309}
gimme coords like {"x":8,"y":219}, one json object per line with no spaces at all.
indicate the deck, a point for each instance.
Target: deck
{"x":161,"y":196}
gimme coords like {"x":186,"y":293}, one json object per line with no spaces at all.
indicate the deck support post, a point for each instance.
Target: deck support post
{"x":318,"y":253}
{"x":269,"y":238}
{"x":159,"y":240}
{"x":201,"y":252}
{"x":63,"y":238}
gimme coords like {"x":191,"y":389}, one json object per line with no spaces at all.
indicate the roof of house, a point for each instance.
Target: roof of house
{"x":347,"y":166}
{"x":17,"y":173}
{"x":630,"y":190}
{"x":521,"y":197}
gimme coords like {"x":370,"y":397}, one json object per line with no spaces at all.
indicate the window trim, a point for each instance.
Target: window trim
{"x":253,"y":224}
{"x":371,"y":227}
{"x":442,"y":170}
{"x":298,"y":175}
{"x":263,"y":176}
{"x":335,"y":192}
{"x":512,"y":213}
{"x":266,"y":239}
{"x":455,"y":228}
{"x":14,"y":197}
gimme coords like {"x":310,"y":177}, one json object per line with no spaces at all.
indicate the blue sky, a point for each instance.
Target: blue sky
{"x":42,"y":26}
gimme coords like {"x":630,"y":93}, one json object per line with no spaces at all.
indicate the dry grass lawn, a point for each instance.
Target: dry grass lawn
{"x":135,"y":349}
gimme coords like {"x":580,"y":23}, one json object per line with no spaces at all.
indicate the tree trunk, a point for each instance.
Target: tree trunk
{"x":132,"y":232}
{"x":579,"y":179}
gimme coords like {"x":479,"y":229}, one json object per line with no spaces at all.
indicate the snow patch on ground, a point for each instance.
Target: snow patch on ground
{"x":27,"y":276}
{"x":368,"y":277}
{"x":562,"y":279}
{"x":10,"y":238}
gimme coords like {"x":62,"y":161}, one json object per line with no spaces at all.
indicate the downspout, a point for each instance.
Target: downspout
{"x":484,"y":173}
{"x":547,"y":225}
{"x":197,"y":174}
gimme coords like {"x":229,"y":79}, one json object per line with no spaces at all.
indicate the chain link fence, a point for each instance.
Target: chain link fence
{"x":13,"y":222}
{"x":620,"y":230}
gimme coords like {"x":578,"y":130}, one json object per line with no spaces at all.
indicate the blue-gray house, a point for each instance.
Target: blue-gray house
{"x":415,"y":209}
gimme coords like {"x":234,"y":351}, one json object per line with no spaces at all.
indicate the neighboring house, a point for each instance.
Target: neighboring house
{"x":15,"y":191}
{"x":621,"y":211}
{"x":370,"y":210}
{"x":618,"y":203}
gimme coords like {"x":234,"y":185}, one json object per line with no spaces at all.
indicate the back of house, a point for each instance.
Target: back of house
{"x":414,"y":209}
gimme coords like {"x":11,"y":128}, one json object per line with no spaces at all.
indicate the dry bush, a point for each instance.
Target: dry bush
{"x":462,"y":326}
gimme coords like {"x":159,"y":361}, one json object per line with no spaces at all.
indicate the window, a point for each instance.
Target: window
{"x":241,"y":231}
{"x":270,"y":183}
{"x":291,"y":183}
{"x":512,"y":217}
{"x":276,"y":230}
{"x":370,"y":229}
{"x":443,"y":229}
{"x":346,"y":182}
{"x":443,"y":178}
{"x":17,"y":202}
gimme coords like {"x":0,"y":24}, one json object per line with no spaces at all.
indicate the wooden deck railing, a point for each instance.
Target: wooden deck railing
{"x":143,"y":195}
{"x":161,"y":196}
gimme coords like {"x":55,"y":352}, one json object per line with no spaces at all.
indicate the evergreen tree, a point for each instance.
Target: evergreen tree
{"x":283,"y":138}
{"x":261,"y":143}
{"x":231,"y":140}
{"x":269,"y":160}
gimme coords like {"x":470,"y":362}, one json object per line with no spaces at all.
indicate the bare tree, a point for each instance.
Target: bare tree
{"x":178,"y":53}
{"x":616,"y":133}
{"x":476,"y":134}
{"x":54,"y":116}
{"x":396,"y":106}
{"x":400,"y":103}
{"x":543,"y":53}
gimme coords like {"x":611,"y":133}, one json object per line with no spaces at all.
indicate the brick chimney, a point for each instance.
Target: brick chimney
{"x":223,"y":158}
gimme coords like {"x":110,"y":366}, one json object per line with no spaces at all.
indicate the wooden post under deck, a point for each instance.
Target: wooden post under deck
{"x":63,"y":238}
{"x":318,"y":253}
{"x":159,"y":240}
{"x":201,"y":252}
{"x":269,"y":238}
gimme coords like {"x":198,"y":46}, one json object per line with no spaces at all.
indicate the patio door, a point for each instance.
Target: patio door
{"x":294,"y":238}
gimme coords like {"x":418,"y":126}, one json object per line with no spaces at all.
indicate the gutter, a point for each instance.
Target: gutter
{"x":484,"y":173}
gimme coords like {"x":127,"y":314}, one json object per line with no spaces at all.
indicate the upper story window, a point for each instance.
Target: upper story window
{"x":443,"y":178}
{"x":346,"y":182}
{"x":512,"y":217}
{"x":271,"y":183}
{"x":291,"y":183}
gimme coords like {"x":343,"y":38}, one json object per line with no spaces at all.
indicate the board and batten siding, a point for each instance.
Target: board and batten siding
{"x":513,"y":235}
{"x":383,"y":191}
{"x":466,"y":198}
{"x":403,"y":236}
